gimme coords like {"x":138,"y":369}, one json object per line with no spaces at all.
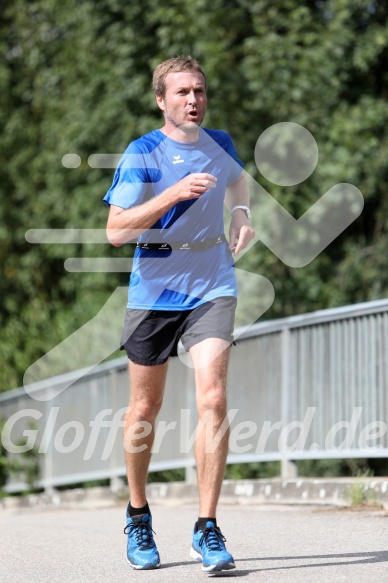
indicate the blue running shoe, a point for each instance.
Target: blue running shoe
{"x":208,"y":546}
{"x":141,"y":549}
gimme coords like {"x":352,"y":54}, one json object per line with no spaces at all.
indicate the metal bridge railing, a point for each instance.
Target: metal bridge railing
{"x":310,"y":386}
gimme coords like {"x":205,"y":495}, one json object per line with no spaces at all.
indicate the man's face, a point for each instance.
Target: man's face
{"x":184,"y":103}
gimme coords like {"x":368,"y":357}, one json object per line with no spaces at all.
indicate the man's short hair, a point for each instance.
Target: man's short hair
{"x":174,"y":65}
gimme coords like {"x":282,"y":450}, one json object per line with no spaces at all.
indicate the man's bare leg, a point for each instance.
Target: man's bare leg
{"x":147,"y":388}
{"x":210,"y":359}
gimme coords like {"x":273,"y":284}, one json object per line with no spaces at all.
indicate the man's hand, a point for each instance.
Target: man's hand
{"x":193,"y":186}
{"x":240,"y":231}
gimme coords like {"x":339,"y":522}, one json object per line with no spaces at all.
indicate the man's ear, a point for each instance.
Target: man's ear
{"x":160,"y":101}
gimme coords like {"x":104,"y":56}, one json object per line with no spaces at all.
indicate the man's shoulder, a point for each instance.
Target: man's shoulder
{"x":146,"y":143}
{"x":222,"y":138}
{"x":224,"y":141}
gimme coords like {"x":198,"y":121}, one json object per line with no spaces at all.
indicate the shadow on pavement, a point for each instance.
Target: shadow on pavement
{"x":354,"y":559}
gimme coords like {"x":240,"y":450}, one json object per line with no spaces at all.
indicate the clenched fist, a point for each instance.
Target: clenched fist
{"x":194,"y":185}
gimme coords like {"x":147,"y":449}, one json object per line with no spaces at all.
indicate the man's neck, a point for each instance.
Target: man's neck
{"x":180,"y":135}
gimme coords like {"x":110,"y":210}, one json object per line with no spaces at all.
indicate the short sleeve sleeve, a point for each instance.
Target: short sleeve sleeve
{"x":132,"y":180}
{"x":235,"y":166}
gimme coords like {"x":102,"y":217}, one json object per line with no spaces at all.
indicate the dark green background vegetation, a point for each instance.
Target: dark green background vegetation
{"x":75,"y":77}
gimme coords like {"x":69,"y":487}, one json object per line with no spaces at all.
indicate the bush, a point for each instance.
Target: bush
{"x":25,"y":465}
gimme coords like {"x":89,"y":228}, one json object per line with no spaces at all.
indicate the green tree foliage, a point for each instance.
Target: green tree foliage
{"x":75,"y":78}
{"x":24,"y":466}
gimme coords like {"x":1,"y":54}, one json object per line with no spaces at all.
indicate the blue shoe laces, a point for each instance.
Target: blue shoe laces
{"x":213,"y":539}
{"x":143,"y":534}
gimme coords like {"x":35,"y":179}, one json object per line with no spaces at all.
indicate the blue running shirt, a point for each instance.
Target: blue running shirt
{"x":179,"y":280}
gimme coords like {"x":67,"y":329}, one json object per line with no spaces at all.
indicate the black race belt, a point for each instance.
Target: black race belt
{"x":182,"y":245}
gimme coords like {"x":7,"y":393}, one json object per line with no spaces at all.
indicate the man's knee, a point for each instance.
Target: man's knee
{"x":144,"y":409}
{"x":212,"y":399}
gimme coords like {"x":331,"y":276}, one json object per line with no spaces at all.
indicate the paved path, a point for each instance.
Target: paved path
{"x":270,"y":543}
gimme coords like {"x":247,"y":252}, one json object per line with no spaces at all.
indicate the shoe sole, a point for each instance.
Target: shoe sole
{"x":220,"y":566}
{"x":146,"y":567}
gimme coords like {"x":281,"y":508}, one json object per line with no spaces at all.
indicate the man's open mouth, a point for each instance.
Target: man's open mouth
{"x":193,"y":113}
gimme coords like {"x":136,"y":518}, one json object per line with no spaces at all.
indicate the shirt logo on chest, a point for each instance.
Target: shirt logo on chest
{"x":177,"y":159}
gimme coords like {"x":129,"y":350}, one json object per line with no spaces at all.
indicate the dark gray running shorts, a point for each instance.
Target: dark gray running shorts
{"x":150,"y":337}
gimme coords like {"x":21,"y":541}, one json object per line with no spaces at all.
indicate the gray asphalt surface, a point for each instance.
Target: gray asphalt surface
{"x":269,"y":543}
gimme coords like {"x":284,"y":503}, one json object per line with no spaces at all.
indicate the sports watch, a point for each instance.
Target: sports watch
{"x":246,"y":210}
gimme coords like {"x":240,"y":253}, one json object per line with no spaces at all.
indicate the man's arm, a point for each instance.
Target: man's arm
{"x":126,"y":224}
{"x":240,"y":231}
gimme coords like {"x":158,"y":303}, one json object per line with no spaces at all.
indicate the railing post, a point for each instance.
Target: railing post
{"x":116,"y":483}
{"x":190,"y":475}
{"x":288,"y":470}
{"x":48,"y":445}
{"x":288,"y":467}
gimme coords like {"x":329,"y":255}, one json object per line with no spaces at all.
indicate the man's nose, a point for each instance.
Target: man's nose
{"x":192,"y":97}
